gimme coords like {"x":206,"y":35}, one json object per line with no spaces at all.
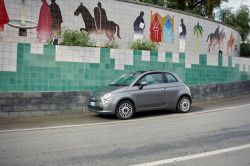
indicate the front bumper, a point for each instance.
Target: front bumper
{"x":101,"y":108}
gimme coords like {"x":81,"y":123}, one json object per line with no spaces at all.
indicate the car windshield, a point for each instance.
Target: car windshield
{"x":126,"y":79}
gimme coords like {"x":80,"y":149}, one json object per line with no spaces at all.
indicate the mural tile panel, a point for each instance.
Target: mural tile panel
{"x":44,"y":72}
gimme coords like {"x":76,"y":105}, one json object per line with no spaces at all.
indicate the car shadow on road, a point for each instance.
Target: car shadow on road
{"x":196,"y":109}
{"x":152,"y":114}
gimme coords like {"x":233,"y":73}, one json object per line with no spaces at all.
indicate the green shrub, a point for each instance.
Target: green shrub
{"x":76,"y":38}
{"x":245,"y":50}
{"x":50,"y":42}
{"x":111,"y":44}
{"x":143,"y":45}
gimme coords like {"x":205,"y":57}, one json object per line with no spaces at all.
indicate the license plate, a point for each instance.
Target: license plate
{"x":92,"y":103}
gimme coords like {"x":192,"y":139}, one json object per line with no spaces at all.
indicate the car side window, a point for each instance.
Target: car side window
{"x":152,"y":78}
{"x":171,"y":78}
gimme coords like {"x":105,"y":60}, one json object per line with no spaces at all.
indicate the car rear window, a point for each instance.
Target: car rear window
{"x":171,"y":78}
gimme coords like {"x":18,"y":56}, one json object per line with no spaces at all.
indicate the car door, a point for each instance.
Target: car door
{"x":152,"y":95}
{"x":173,"y":87}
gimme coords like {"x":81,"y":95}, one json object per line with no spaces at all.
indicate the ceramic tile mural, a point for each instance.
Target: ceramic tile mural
{"x":60,"y":68}
{"x":37,"y":21}
{"x":188,"y":46}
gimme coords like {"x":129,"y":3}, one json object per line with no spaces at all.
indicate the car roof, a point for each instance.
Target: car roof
{"x":160,"y":71}
{"x":153,"y":71}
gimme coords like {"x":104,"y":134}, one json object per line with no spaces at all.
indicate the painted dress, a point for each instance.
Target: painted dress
{"x":44,"y":27}
{"x":155,"y":30}
{"x":168,"y":31}
{"x":4,"y":18}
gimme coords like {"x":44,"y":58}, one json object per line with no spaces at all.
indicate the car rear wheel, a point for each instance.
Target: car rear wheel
{"x":184,"y":105}
{"x":125,"y":110}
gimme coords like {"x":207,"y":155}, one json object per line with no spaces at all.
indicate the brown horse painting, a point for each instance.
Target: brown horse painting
{"x":109,"y":27}
{"x":216,"y":38}
{"x":230,"y":43}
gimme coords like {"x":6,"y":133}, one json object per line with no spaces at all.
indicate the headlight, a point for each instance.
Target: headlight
{"x":106,"y":98}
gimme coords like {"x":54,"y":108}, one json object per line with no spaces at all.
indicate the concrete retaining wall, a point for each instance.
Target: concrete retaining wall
{"x":52,"y":103}
{"x":215,"y":91}
{"x":42,"y":103}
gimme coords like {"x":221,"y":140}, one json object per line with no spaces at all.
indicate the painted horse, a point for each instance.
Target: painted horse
{"x":216,"y":39}
{"x":108,"y":27}
{"x":230,"y":43}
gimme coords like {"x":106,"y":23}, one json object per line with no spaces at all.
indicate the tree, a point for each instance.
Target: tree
{"x":226,"y":15}
{"x":242,"y":21}
{"x":155,"y":2}
{"x":204,"y":7}
{"x":239,"y":20}
{"x":209,"y":7}
{"x":200,"y":7}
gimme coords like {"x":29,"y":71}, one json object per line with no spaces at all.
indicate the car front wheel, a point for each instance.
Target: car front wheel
{"x":184,"y":104}
{"x":125,"y":110}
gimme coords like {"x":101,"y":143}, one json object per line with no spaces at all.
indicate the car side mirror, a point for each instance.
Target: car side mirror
{"x":142,"y":84}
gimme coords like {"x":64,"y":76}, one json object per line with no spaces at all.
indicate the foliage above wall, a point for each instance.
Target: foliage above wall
{"x":77,"y":38}
{"x":143,"y":45}
{"x":239,"y":20}
{"x":111,"y":44}
{"x":199,"y":7}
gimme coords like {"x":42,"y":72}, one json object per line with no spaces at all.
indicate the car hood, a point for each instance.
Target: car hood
{"x":110,"y":89}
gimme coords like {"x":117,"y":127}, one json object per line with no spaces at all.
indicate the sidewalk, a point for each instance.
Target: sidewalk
{"x":88,"y":117}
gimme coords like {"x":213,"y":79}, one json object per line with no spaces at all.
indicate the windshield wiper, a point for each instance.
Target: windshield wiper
{"x":117,"y":85}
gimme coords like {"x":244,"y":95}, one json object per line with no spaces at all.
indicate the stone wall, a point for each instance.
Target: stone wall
{"x":54,"y":103}
{"x":42,"y":103}
{"x":214,"y":91}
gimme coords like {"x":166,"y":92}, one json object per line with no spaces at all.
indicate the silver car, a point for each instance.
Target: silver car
{"x":141,"y":91}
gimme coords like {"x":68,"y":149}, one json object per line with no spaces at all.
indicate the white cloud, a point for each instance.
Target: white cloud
{"x":235,"y":3}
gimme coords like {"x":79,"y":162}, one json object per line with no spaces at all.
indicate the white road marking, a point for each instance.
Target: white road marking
{"x":126,"y":121}
{"x":195,"y":156}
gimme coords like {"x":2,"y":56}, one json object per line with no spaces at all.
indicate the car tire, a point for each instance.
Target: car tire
{"x":125,"y":110}
{"x":184,"y":104}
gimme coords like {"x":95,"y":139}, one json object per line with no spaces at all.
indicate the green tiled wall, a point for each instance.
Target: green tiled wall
{"x":43,"y":73}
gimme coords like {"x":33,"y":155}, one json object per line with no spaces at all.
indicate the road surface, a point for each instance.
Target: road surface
{"x":216,"y":133}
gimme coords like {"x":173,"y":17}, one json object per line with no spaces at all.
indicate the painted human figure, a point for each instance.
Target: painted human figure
{"x":168,"y":31}
{"x":56,"y":18}
{"x":155,"y":30}
{"x":44,"y":27}
{"x":183,"y":32}
{"x":4,"y":18}
{"x":139,"y":26}
{"x":100,"y":17}
{"x":230,"y":43}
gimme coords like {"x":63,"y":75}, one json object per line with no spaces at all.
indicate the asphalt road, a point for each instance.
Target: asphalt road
{"x":212,"y":134}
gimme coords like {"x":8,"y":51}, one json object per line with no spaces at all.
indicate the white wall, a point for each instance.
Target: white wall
{"x":124,"y":14}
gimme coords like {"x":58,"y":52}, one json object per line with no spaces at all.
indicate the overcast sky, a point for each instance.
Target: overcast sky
{"x":236,"y":3}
